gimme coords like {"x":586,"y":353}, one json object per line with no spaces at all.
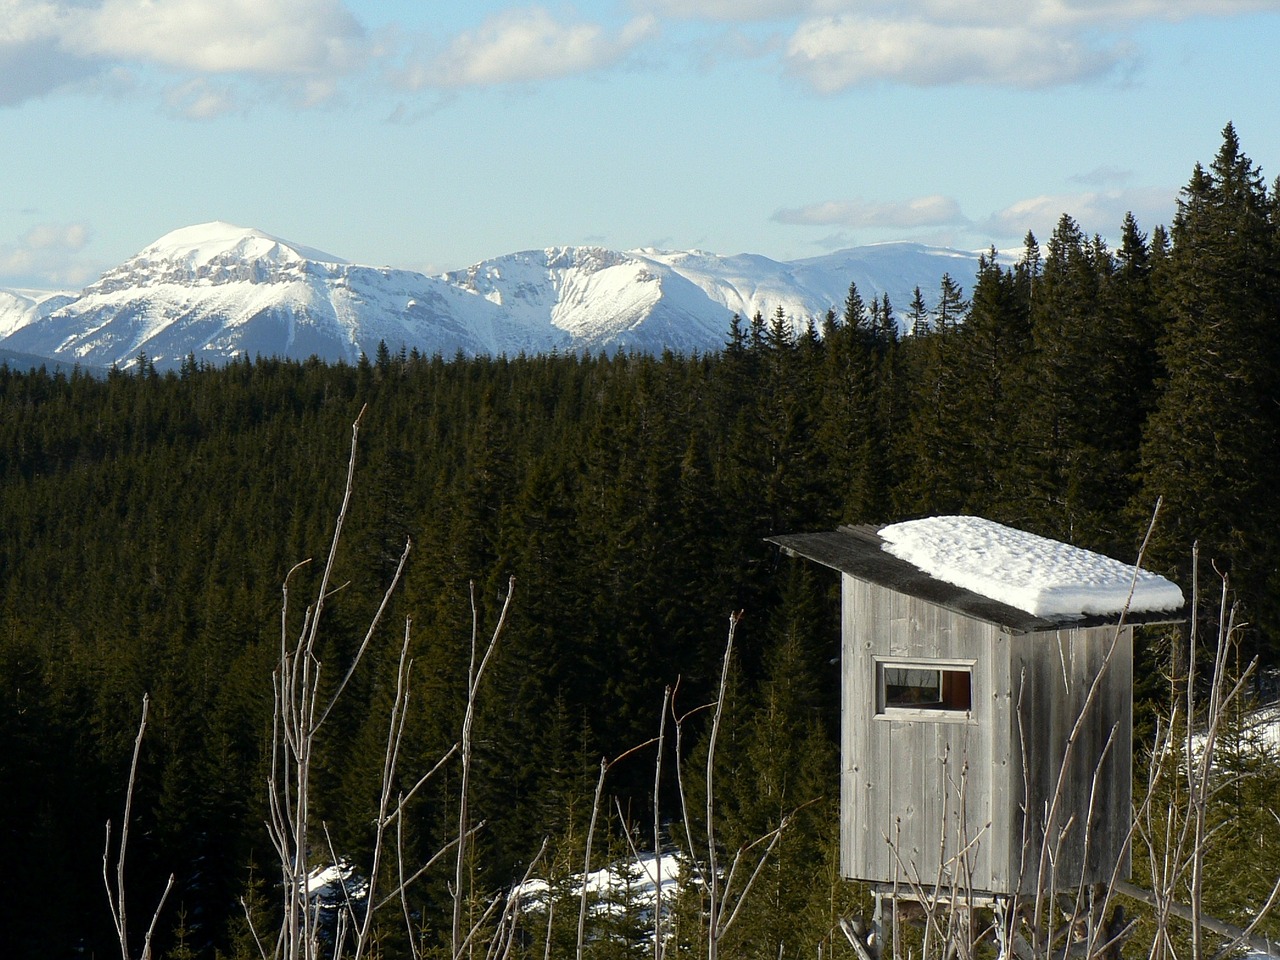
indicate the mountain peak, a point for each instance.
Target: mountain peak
{"x":217,"y":290}
{"x":217,"y":241}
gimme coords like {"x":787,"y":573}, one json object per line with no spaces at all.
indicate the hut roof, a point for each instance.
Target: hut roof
{"x":994,"y":573}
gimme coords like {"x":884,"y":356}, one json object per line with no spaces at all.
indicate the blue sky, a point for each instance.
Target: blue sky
{"x":432,"y":135}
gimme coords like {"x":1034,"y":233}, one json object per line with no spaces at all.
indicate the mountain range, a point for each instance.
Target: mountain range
{"x":217,"y":291}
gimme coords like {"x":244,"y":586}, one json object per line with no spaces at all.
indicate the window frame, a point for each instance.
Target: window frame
{"x":887,"y":711}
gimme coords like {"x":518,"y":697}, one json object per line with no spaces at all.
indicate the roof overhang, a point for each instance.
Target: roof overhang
{"x":858,"y":552}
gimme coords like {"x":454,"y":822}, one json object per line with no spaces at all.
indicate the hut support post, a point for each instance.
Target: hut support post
{"x":877,"y":928}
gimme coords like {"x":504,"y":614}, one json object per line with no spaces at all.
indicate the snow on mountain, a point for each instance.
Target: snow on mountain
{"x":589,"y":298}
{"x":21,"y":307}
{"x":218,"y":291}
{"x":747,"y":284}
{"x":214,"y":253}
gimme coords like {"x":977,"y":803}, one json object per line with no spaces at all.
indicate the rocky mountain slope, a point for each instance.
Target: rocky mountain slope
{"x":217,"y":291}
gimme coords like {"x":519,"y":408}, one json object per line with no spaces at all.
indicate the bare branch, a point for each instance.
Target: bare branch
{"x":657,"y":830}
{"x":116,"y":898}
{"x":586,"y":858}
{"x":373,"y":626}
{"x":713,"y":918}
{"x":474,"y":676}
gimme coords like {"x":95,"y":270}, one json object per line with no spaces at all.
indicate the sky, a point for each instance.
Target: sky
{"x":430,"y":136}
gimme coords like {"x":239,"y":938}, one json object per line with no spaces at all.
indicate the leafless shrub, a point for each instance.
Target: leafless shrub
{"x":1178,"y":837}
{"x":298,"y":721}
{"x":115,"y":894}
{"x":1078,"y":920}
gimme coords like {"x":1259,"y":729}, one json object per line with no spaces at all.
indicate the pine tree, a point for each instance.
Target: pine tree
{"x":1212,"y":445}
{"x":918,"y":315}
{"x":849,"y":434}
{"x":1069,"y":442}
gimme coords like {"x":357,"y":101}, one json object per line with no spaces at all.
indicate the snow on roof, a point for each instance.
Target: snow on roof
{"x":1044,"y":577}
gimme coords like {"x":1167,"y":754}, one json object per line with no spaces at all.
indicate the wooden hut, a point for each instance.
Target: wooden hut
{"x":986,"y":706}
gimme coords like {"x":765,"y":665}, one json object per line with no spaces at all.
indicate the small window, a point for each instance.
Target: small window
{"x":923,"y":686}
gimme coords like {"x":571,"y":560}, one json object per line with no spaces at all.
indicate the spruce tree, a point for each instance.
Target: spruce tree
{"x":918,"y":315}
{"x":1212,"y":445}
{"x":1077,"y":417}
{"x":849,"y":434}
{"x":951,"y":304}
{"x":963,"y":427}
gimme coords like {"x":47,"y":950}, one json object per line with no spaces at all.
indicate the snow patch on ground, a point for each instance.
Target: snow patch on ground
{"x":321,"y":879}
{"x":1044,"y":577}
{"x":1259,"y":736}
{"x":1262,"y":730}
{"x":628,"y":884}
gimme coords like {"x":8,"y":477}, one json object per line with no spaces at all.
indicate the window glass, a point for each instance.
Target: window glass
{"x":915,"y":686}
{"x":912,"y":687}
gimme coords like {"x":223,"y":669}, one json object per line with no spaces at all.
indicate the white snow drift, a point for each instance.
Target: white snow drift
{"x":1046,"y":578}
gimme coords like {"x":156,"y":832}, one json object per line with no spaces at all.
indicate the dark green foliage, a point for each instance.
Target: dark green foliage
{"x":853,"y":433}
{"x":1212,"y":446}
{"x":150,"y":521}
{"x":1082,"y":402}
{"x":781,"y":763}
{"x":963,"y":409}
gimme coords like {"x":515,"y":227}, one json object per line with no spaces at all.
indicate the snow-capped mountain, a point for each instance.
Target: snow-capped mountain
{"x":20,"y":307}
{"x":589,"y":298}
{"x":217,"y":291}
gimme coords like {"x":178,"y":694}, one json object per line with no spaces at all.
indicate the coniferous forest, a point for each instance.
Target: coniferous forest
{"x":148,"y":520}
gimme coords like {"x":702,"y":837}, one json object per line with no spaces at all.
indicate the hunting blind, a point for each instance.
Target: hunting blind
{"x":986,"y":705}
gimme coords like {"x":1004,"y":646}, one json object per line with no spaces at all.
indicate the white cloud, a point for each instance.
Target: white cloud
{"x":35,"y":68}
{"x":198,"y":99}
{"x":734,"y":11}
{"x":23,"y":21}
{"x":958,"y":12}
{"x":524,"y":45}
{"x":1099,"y":212}
{"x":838,"y":44}
{"x":32,"y":62}
{"x":309,"y":47}
{"x":48,"y":256}
{"x":1105,"y":176}
{"x":834,"y":53}
{"x":47,"y":44}
{"x":289,"y":37}
{"x":54,"y":236}
{"x":929,"y":211}
{"x":1095,"y":12}
{"x":938,"y":219}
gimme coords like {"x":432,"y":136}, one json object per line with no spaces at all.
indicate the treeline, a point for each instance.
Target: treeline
{"x":148,"y":521}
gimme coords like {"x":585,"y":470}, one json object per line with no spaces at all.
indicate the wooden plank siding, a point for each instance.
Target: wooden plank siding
{"x":1056,"y":671}
{"x":917,"y":790}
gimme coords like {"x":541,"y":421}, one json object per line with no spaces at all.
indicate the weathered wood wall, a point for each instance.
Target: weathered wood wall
{"x":1089,"y":830}
{"x":918,"y":792}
